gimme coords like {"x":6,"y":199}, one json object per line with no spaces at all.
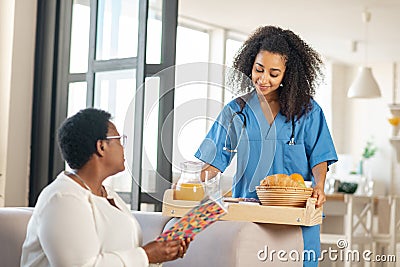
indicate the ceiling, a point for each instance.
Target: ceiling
{"x":330,"y":26}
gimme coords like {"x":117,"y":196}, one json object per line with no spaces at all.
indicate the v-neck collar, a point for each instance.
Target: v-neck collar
{"x":269,"y":131}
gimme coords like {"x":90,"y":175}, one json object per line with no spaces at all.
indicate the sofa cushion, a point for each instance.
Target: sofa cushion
{"x":237,"y":244}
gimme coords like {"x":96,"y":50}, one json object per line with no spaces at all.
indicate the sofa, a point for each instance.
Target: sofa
{"x":224,"y":243}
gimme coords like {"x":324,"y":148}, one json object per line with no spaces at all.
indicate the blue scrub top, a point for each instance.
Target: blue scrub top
{"x":263,"y":149}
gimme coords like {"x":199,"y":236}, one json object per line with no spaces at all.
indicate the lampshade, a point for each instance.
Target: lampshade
{"x":365,"y":85}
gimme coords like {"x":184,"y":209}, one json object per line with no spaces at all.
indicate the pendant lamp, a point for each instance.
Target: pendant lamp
{"x":365,"y":85}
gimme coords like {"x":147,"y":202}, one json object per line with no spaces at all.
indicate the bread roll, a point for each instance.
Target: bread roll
{"x":283,"y":180}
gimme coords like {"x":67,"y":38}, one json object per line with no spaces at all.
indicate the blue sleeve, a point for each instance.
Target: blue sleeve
{"x":318,"y":141}
{"x":211,"y":150}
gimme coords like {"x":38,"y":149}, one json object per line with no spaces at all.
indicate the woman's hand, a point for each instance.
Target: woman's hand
{"x":173,"y":186}
{"x":319,"y":194}
{"x":161,"y":251}
{"x":184,"y":246}
{"x":319,"y":172}
{"x":212,"y":172}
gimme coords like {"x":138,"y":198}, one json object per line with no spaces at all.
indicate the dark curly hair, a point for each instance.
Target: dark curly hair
{"x":303,"y":67}
{"x":78,"y":135}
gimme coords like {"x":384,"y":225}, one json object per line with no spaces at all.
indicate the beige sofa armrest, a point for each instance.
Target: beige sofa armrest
{"x":152,"y":224}
{"x":13,"y":224}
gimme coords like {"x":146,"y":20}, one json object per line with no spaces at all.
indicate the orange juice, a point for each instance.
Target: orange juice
{"x":188,"y":191}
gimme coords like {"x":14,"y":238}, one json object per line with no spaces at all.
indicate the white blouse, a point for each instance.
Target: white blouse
{"x":72,"y":227}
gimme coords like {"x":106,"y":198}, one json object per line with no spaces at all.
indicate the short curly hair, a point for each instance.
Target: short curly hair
{"x":303,"y":67}
{"x":78,"y":135}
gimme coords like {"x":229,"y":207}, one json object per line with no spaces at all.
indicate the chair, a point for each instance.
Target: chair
{"x":387,"y":235}
{"x":356,"y":223}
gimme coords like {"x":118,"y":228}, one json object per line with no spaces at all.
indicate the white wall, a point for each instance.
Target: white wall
{"x":17,"y":35}
{"x":377,"y":121}
{"x":357,"y":120}
{"x":341,"y":126}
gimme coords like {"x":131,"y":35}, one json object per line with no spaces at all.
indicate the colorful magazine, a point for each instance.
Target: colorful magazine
{"x":195,"y":221}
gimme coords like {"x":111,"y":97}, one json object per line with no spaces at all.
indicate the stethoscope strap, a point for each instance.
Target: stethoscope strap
{"x":242,"y":104}
{"x":291,"y":140}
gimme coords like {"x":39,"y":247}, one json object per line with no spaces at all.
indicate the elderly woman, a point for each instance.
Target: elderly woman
{"x":79,"y":222}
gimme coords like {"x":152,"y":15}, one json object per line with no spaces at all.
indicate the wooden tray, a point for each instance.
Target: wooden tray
{"x":307,"y":216}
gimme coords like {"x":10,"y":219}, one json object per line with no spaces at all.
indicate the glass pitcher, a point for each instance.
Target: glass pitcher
{"x":189,"y":186}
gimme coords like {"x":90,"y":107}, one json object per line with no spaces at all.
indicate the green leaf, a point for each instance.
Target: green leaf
{"x":369,"y":150}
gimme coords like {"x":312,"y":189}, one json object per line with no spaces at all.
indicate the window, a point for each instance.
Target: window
{"x":80,"y":36}
{"x":323,"y":95}
{"x":75,"y":100}
{"x":189,"y":110}
{"x":114,"y":91}
{"x":231,"y":48}
{"x":101,"y":63}
{"x":114,"y":78}
{"x":153,"y":45}
{"x":99,"y":54}
{"x":117,"y":29}
{"x":150,"y":134}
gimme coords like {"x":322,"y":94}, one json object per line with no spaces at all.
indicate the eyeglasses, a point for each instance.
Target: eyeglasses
{"x":122,"y":139}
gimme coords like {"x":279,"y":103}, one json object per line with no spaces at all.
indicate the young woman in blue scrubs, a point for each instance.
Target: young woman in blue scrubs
{"x":276,"y":126}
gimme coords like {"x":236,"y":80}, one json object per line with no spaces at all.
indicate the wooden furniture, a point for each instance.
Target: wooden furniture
{"x":355,"y":213}
{"x":251,"y":212}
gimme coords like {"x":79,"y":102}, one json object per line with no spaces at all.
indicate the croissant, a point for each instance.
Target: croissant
{"x":273,"y":180}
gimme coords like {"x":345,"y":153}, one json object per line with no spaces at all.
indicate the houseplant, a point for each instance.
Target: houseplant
{"x":368,"y":152}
